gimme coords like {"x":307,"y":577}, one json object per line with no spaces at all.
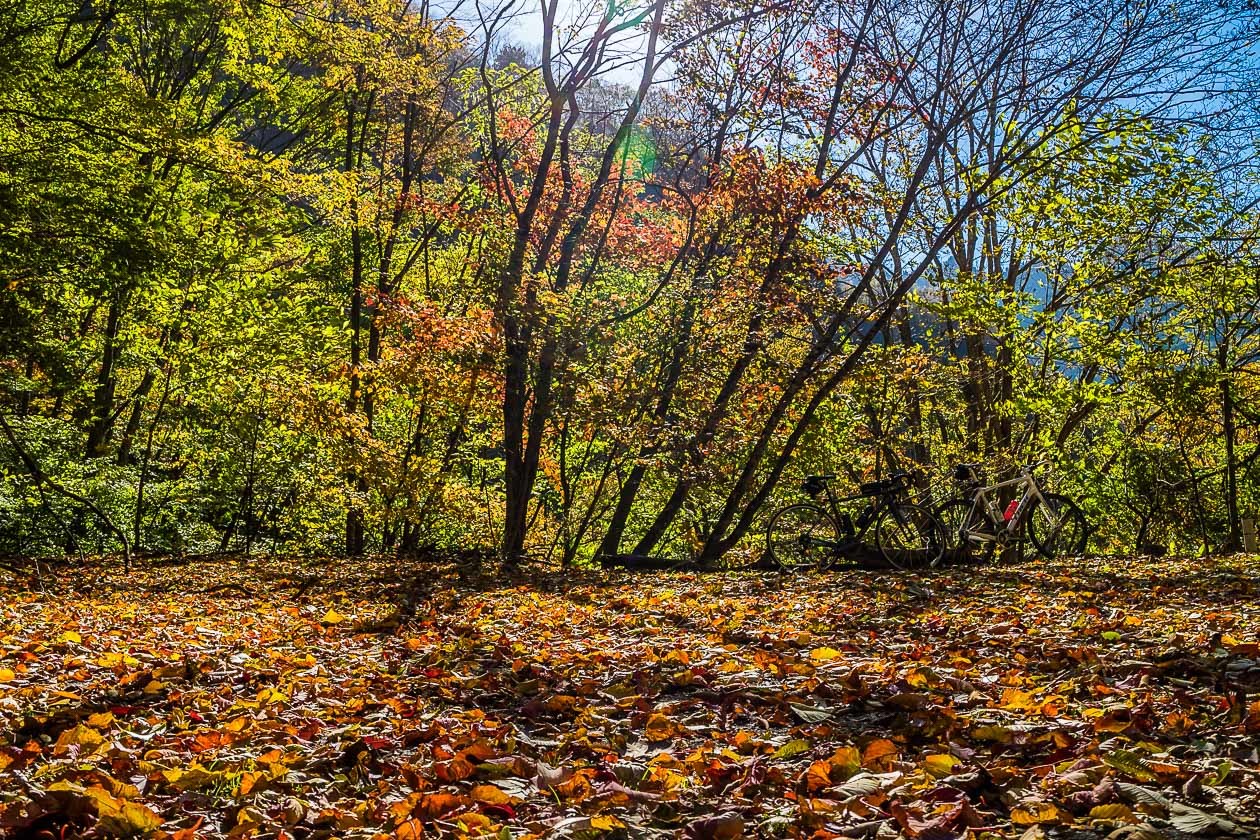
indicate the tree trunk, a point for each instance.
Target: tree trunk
{"x":102,"y":419}
{"x":1233,"y":541}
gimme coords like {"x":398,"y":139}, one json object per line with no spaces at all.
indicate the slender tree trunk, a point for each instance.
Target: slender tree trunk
{"x":354,"y":511}
{"x":517,"y":341}
{"x":1233,"y":541}
{"x":132,"y":428}
{"x":142,"y":479}
{"x":102,"y":419}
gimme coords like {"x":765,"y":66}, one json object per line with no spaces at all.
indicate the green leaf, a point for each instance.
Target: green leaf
{"x":792,"y":748}
{"x":1130,"y":763}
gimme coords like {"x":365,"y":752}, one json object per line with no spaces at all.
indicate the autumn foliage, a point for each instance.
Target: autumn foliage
{"x":303,"y":700}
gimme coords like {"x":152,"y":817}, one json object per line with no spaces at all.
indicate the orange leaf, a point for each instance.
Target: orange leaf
{"x":818,"y":776}
{"x":432,"y":805}
{"x":250,"y":781}
{"x":879,"y":753}
{"x":659,"y":727}
{"x":409,"y":830}
{"x":455,"y":770}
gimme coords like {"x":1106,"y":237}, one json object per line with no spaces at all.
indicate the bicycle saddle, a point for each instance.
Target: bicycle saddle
{"x":966,"y":473}
{"x":813,"y":484}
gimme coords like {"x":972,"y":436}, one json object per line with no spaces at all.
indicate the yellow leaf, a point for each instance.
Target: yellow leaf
{"x":940,"y":765}
{"x":62,"y":785}
{"x":100,"y":720}
{"x":121,"y":818}
{"x":7,"y":675}
{"x":667,"y":779}
{"x":846,"y":761}
{"x":132,"y":818}
{"x":472,"y":821}
{"x":272,"y":695}
{"x":250,"y":781}
{"x":1116,"y":812}
{"x":490,"y":795}
{"x":606,"y":822}
{"x":923,"y":677}
{"x":1053,"y":706}
{"x":332,"y":617}
{"x":249,"y":818}
{"x":792,"y":748}
{"x":824,"y":654}
{"x":81,"y":736}
{"x":1131,"y":763}
{"x":71,"y":637}
{"x":1038,"y":813}
{"x":1016,"y":700}
{"x":193,"y":778}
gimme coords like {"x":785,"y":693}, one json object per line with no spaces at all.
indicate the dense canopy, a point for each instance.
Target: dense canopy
{"x":596,"y":279}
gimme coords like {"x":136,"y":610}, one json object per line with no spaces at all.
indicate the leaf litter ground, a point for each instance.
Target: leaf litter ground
{"x":289,"y":698}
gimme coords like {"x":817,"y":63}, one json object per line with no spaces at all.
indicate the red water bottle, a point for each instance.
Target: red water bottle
{"x":1009,"y":513}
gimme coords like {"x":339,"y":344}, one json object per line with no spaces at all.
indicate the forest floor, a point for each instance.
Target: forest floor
{"x":1111,"y":698}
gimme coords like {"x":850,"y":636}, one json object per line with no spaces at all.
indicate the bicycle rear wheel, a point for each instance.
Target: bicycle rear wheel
{"x":962,"y":522}
{"x":1057,"y":527}
{"x":801,"y":536}
{"x":909,"y":536}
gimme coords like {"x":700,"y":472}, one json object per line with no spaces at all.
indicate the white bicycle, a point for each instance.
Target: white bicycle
{"x":977,"y":522}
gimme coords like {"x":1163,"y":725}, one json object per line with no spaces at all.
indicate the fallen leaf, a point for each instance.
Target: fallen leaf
{"x":659,"y":727}
{"x":80,"y":736}
{"x":720,"y":827}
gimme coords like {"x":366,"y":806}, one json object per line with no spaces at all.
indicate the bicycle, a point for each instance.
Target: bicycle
{"x":907,"y":535}
{"x":1054,"y":522}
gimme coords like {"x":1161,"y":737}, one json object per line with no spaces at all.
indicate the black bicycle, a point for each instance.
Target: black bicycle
{"x":906,"y":535}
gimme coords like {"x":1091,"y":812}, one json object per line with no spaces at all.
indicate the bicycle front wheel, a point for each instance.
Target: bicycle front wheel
{"x":964,"y":526}
{"x":909,"y":536}
{"x":1057,"y":527}
{"x":801,"y":536}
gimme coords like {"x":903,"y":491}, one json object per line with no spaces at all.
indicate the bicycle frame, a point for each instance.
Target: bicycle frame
{"x":853,"y":527}
{"x":902,"y":530}
{"x":987,"y":505}
{"x":856,"y":526}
